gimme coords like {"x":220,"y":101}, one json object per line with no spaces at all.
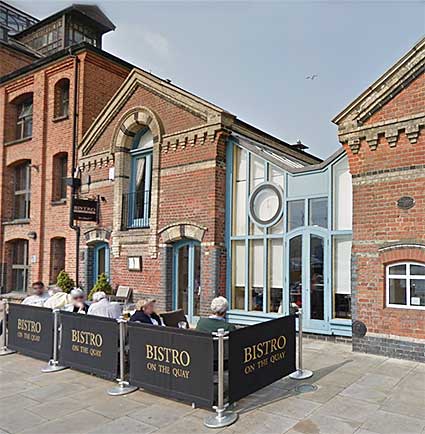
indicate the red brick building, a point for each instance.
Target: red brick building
{"x":49,"y":95}
{"x":383,"y":133}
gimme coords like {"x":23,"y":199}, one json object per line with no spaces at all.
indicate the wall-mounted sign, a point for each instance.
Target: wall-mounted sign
{"x":406,"y":202}
{"x":85,"y":210}
{"x":266,"y":204}
{"x":134,"y":263}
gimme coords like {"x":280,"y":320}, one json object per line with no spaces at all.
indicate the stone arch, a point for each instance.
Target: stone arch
{"x":131,"y":122}
{"x":94,"y":236}
{"x":182,"y":230}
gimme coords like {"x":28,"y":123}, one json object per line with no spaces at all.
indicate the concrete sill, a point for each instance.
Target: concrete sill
{"x":60,"y":118}
{"x":17,"y":141}
{"x":58,"y":202}
{"x":17,"y":222}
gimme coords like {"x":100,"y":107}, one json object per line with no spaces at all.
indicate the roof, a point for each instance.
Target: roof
{"x":92,"y":12}
{"x":388,"y":85}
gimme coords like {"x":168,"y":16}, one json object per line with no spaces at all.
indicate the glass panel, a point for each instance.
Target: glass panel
{"x":266,"y":204}
{"x":182,"y":278}
{"x":101,"y":261}
{"x":257,"y":273}
{"x":139,"y":181}
{"x":295,"y":272}
{"x":276,"y":176}
{"x":343,"y":204}
{"x":20,"y":206}
{"x":197,"y":280}
{"x":238,"y":275}
{"x":398,"y":269}
{"x":417,"y":270}
{"x":143,"y":139}
{"x":19,"y":254}
{"x":317,"y":286}
{"x":417,"y":292}
{"x":239,"y":202}
{"x":19,"y":278}
{"x":296,"y":213}
{"x":257,"y":171}
{"x":397,"y":291}
{"x":276,"y":275}
{"x":277,"y":228}
{"x":318,"y":211}
{"x":342,"y":276}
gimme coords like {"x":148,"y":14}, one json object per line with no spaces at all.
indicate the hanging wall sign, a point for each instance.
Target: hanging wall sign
{"x":172,"y":362}
{"x":260,"y":355}
{"x":90,"y":344}
{"x":30,"y":330}
{"x":85,"y":210}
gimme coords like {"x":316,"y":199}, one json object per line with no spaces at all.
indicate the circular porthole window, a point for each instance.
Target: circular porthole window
{"x":266,"y":204}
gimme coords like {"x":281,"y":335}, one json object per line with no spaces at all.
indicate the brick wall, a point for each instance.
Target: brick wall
{"x":11,"y":60}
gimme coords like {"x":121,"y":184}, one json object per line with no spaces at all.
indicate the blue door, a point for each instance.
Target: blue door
{"x":100,"y":260}
{"x":187,"y":278}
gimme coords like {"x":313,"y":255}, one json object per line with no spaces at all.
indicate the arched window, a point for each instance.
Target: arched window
{"x":60,"y":171}
{"x":405,"y":285}
{"x":24,"y":117}
{"x":139,"y":195}
{"x":62,"y":98}
{"x":57,"y":257}
{"x":18,"y":260}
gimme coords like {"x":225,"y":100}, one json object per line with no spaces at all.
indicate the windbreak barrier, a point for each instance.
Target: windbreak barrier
{"x":259,"y":355}
{"x":89,"y":344}
{"x":172,"y":362}
{"x":30,"y":330}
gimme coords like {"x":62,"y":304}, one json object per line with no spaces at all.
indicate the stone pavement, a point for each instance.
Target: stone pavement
{"x":357,"y":393}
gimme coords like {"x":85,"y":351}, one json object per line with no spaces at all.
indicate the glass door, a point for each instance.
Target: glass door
{"x":187,"y":278}
{"x":100,"y":261}
{"x":308,"y":278}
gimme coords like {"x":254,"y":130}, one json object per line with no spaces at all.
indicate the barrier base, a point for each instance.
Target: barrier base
{"x":5,"y":351}
{"x":221,"y":420}
{"x":301,"y":374}
{"x":53,"y":366}
{"x":123,"y":388}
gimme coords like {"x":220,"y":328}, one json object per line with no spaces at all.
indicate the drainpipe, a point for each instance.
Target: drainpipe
{"x":76,"y":228}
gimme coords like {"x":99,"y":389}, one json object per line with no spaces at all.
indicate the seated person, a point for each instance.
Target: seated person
{"x":38,"y":297}
{"x":58,"y":299}
{"x":217,"y":320}
{"x":101,"y":306}
{"x":78,"y":304}
{"x":145,"y":312}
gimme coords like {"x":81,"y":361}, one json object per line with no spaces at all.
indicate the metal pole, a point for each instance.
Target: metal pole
{"x":223,"y":417}
{"x":53,"y":364}
{"x":300,"y":373}
{"x":4,"y":351}
{"x":123,"y":387}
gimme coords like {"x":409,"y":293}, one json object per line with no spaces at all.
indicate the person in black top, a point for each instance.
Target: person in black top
{"x":145,"y":312}
{"x":78,"y":304}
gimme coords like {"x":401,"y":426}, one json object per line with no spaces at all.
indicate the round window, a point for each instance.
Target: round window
{"x":266,"y":204}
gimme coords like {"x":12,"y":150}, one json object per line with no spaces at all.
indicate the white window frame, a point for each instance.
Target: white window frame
{"x":406,"y":277}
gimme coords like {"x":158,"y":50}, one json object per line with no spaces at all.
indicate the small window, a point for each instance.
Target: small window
{"x":19,"y":265}
{"x":62,"y":98}
{"x":295,"y":214}
{"x":318,"y":212}
{"x":406,"y":285}
{"x":57,"y":257}
{"x":24,"y":119}
{"x":22,"y":191}
{"x":60,"y":171}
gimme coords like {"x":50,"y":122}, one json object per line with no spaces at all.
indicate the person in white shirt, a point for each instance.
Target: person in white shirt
{"x":78,"y":304}
{"x":101,"y":306}
{"x":38,"y":297}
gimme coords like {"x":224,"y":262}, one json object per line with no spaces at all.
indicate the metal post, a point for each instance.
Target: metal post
{"x":4,"y":351}
{"x":53,"y":365}
{"x":223,"y":417}
{"x":123,"y":386}
{"x":300,"y":373}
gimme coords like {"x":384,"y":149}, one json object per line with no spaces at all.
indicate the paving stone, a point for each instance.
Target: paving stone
{"x":53,"y":391}
{"x":124,"y":425}
{"x":158,"y":415}
{"x":58,"y":408}
{"x":385,"y":423}
{"x":407,"y":404}
{"x":364,"y":393}
{"x":323,"y":393}
{"x":14,"y":403}
{"x":316,"y":424}
{"x":16,"y":421}
{"x":113,"y":407}
{"x":80,"y":422}
{"x":295,"y":408}
{"x":348,"y":408}
{"x":187,"y":424}
{"x":377,"y":381}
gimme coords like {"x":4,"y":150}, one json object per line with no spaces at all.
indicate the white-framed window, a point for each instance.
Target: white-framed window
{"x":405,"y":285}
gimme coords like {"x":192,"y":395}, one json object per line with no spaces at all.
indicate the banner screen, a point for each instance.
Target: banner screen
{"x":172,"y":362}
{"x":31,"y":330}
{"x":90,"y":344}
{"x":259,"y":355}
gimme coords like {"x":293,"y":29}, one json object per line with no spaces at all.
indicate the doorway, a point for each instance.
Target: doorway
{"x":308,"y":278}
{"x":100,"y":261}
{"x":187,"y":278}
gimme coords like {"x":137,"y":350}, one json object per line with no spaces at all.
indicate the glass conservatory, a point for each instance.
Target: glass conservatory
{"x":288,"y":237}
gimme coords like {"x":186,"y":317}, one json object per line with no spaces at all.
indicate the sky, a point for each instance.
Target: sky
{"x":252,"y":57}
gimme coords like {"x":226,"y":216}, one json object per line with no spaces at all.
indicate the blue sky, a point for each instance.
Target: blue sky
{"x":251,"y":58}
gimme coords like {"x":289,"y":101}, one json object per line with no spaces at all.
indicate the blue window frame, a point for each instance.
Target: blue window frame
{"x":139,"y":195}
